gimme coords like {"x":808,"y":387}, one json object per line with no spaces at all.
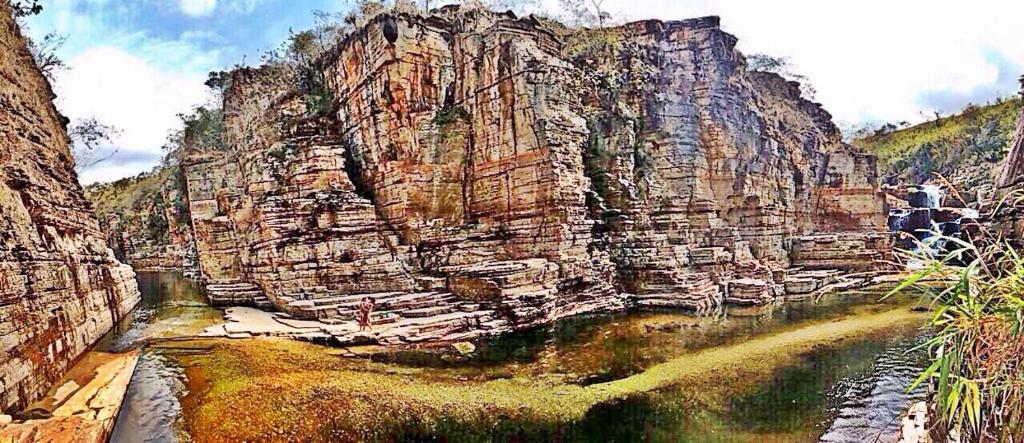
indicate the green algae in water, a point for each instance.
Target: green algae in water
{"x":814,"y":395}
{"x":584,"y":379}
{"x":171,"y":306}
{"x":259,"y":389}
{"x":601,"y":348}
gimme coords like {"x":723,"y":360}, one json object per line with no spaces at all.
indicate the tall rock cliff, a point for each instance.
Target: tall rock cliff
{"x":146,"y":220}
{"x":485,"y":168}
{"x":61,"y":288}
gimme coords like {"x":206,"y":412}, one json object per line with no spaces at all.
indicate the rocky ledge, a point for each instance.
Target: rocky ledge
{"x":483,"y":172}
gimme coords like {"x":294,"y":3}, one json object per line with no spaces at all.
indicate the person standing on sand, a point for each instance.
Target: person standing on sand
{"x":365,"y":309}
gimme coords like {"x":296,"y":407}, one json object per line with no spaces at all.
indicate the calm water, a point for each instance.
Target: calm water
{"x":850,"y":392}
{"x":853,"y":393}
{"x":171,"y":306}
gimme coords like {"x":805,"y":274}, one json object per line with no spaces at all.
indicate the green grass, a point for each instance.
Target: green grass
{"x":970,"y":145}
{"x":122,"y":196}
{"x":977,"y":352}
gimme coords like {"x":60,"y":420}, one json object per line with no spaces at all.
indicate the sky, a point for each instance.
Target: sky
{"x":136,"y":64}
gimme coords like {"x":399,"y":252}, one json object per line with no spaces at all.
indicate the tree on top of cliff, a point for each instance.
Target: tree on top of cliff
{"x":26,"y":8}
{"x":88,"y":136}
{"x":43,"y":51}
{"x":783,"y":67}
{"x":586,"y":13}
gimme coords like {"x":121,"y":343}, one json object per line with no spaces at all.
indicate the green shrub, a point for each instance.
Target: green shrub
{"x":451,"y":114}
{"x":977,"y":352}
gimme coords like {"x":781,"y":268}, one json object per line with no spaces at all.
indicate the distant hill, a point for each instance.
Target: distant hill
{"x":967,"y":148}
{"x":146,"y":218}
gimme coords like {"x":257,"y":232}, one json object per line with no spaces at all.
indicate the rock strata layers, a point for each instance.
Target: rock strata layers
{"x":61,"y":287}
{"x":492,"y":172}
{"x":1013,"y":167}
{"x":146,"y":221}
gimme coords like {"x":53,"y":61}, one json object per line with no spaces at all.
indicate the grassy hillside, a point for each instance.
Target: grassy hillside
{"x":143,"y":202}
{"x":968,"y":148}
{"x":122,"y":196}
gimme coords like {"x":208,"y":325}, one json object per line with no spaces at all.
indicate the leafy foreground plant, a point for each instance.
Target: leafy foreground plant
{"x":978,"y":350}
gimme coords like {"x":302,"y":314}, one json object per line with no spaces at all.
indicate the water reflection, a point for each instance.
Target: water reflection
{"x":171,"y":306}
{"x":852,"y":391}
{"x":602,"y":348}
{"x":151,"y":409}
{"x":866,"y":406}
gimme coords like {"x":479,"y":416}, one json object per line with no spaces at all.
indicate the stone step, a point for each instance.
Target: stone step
{"x":420,"y":302}
{"x":432,"y":283}
{"x":427,"y":312}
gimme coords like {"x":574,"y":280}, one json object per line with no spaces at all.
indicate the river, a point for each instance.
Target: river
{"x":743,"y":375}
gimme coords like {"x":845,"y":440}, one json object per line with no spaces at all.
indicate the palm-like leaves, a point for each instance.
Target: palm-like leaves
{"x":977,"y":352}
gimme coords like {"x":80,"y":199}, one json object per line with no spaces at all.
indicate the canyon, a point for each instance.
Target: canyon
{"x":61,"y":287}
{"x":500,"y":186}
{"x":460,"y":186}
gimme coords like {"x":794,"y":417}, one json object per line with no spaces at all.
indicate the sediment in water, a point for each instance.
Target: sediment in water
{"x":257,"y":389}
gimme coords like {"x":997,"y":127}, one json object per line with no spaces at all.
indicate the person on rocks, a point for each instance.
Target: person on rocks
{"x":365,"y":310}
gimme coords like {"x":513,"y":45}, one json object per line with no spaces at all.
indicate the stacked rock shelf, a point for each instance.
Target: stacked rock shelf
{"x":929,"y":220}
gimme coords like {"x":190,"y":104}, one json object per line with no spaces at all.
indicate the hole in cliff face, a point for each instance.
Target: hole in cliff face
{"x":390,"y":28}
{"x":355,"y":170}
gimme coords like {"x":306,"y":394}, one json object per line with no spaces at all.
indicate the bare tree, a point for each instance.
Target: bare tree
{"x":782,"y":67}
{"x":45,"y":53}
{"x":26,"y":8}
{"x":88,"y":137}
{"x":585,"y":12}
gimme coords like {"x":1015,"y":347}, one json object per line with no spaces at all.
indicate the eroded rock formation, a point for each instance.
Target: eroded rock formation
{"x":61,"y":288}
{"x":485,"y":172}
{"x":146,"y":220}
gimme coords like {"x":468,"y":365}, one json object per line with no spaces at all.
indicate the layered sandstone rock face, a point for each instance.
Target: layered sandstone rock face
{"x":706,"y":172}
{"x":1003,"y":214}
{"x":61,"y":288}
{"x":146,"y":220}
{"x":489,"y":172}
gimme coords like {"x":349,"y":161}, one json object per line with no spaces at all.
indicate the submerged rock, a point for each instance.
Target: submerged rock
{"x":464,"y":348}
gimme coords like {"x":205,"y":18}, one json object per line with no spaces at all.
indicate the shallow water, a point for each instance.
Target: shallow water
{"x":850,"y":391}
{"x":601,"y":348}
{"x":171,"y":306}
{"x":853,"y":393}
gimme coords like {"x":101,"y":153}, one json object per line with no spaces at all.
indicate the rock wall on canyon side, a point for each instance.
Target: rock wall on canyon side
{"x":61,"y":288}
{"x":486,"y":168}
{"x":145,"y":219}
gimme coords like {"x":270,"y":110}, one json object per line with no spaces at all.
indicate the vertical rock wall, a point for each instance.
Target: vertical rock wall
{"x":61,"y":288}
{"x":1013,"y":166}
{"x":706,"y":172}
{"x":482,"y":163}
{"x":145,"y":219}
{"x":469,"y":144}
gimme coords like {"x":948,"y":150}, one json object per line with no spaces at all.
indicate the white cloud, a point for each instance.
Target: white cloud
{"x":242,"y":6}
{"x":198,"y":8}
{"x":201,"y":8}
{"x":126,"y":77}
{"x":870,"y":59}
{"x":877,"y":60}
{"x":132,"y":94}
